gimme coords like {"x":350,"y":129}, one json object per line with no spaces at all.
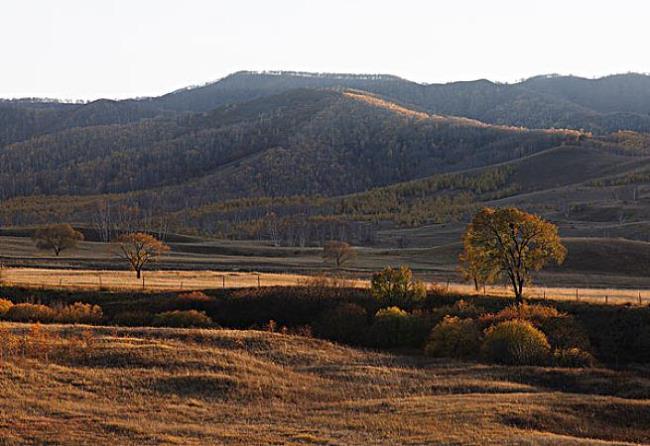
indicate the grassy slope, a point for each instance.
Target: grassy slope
{"x":163,"y":386}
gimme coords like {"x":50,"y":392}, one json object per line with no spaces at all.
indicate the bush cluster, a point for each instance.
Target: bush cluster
{"x":183,"y":319}
{"x":77,"y":313}
{"x":454,"y":338}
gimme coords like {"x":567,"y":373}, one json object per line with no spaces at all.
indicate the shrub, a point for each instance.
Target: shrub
{"x":454,"y":338}
{"x":345,"y":323}
{"x":573,"y":357}
{"x":79,"y":313}
{"x":182,"y":319}
{"x":515,"y":342}
{"x":394,"y":327}
{"x":396,"y":287}
{"x":565,"y":332}
{"x":30,"y":313}
{"x":532,"y":313}
{"x":461,"y":309}
{"x":5,"y":305}
{"x":194,"y":296}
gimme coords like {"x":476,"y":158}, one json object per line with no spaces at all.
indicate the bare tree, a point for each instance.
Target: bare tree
{"x":138,"y":249}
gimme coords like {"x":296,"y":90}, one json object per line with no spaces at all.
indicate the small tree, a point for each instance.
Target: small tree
{"x":57,"y":238}
{"x":396,"y":287}
{"x":338,"y":253}
{"x":139,"y":249}
{"x":510,"y":243}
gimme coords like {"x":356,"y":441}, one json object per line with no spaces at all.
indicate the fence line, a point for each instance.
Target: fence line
{"x":176,"y":281}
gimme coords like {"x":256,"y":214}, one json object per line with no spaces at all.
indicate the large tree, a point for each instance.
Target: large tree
{"x":339,"y":253}
{"x":57,"y":238}
{"x":509,"y":243}
{"x":139,"y":249}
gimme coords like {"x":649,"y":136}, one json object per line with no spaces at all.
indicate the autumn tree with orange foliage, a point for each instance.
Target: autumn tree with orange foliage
{"x":139,"y":249}
{"x":509,"y":243}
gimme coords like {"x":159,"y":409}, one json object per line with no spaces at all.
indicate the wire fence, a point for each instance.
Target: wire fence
{"x":179,"y":281}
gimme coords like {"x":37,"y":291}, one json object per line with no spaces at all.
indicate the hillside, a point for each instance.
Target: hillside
{"x":602,"y":106}
{"x":299,"y":158}
{"x":165,"y":386}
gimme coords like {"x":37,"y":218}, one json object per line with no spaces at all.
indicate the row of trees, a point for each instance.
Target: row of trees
{"x":499,"y":244}
{"x":136,"y":248}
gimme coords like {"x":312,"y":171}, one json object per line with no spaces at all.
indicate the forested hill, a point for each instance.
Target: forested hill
{"x":604,"y":105}
{"x":300,"y":142}
{"x":333,"y":156}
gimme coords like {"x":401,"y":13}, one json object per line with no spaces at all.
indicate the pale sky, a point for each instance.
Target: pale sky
{"x":86,"y":49}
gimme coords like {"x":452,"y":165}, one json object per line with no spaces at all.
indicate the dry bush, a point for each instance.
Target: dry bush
{"x":182,"y":319}
{"x":194,"y":297}
{"x":454,"y":338}
{"x":324,"y":281}
{"x":533,"y":313}
{"x":9,"y":343}
{"x":30,"y":313}
{"x":5,"y":305}
{"x":515,"y":342}
{"x":461,"y":309}
{"x":79,"y":313}
{"x":573,"y":357}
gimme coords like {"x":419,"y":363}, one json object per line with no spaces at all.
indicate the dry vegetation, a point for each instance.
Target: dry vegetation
{"x":77,"y":385}
{"x":77,"y":279}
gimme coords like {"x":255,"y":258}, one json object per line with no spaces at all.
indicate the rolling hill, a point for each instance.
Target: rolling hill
{"x":301,"y":158}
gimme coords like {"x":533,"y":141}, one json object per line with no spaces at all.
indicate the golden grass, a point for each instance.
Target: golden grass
{"x":191,"y":387}
{"x":202,"y":279}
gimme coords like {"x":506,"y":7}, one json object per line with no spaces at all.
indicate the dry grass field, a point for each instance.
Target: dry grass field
{"x":76,"y":279}
{"x":107,"y":386}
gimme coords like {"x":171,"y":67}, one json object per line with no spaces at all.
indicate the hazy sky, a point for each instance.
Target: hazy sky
{"x":122,"y":48}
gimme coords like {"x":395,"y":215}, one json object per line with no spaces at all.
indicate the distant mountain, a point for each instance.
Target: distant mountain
{"x":321,"y":156}
{"x":299,"y":142}
{"x":602,"y":106}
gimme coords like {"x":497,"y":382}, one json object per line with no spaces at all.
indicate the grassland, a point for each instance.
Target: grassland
{"x":164,"y":386}
{"x":173,"y":280}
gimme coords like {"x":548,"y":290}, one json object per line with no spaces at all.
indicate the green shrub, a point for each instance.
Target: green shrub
{"x":79,"y":313}
{"x":565,"y":332}
{"x":345,"y":323}
{"x":396,"y":287}
{"x":454,"y":338}
{"x":515,"y":342}
{"x":573,"y":357}
{"x":182,"y":319}
{"x":5,"y":305}
{"x":394,"y":327}
{"x":30,"y":313}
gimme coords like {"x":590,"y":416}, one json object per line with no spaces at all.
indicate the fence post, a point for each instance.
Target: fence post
{"x":640,"y":300}
{"x":223,"y":281}
{"x":143,"y":281}
{"x":577,"y":296}
{"x":606,"y":298}
{"x":544,"y":294}
{"x":258,"y":281}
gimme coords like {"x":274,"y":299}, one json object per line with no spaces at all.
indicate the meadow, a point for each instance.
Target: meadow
{"x":107,"y":385}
